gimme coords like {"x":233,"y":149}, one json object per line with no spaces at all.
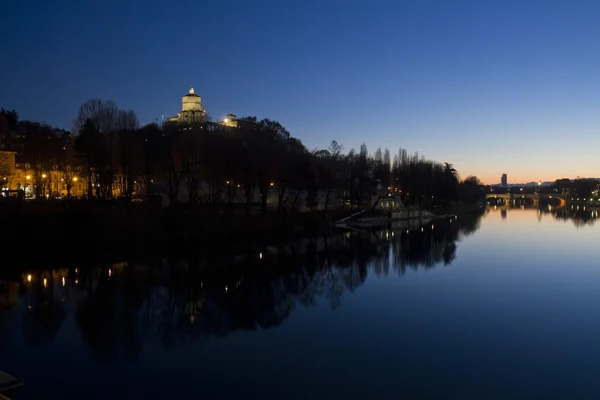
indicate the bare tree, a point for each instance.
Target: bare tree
{"x":105,"y":157}
{"x":69,"y":178}
{"x":7,"y":167}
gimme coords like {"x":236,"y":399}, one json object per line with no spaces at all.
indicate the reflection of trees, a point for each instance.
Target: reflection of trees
{"x":580,"y":217}
{"x":8,"y":297}
{"x":218,"y":292}
{"x":108,"y":316}
{"x":44,"y":317}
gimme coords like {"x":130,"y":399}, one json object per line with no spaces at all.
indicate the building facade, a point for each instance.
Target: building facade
{"x":192,"y":111}
{"x":56,"y":182}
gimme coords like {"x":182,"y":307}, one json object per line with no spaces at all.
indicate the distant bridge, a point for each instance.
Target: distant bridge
{"x":511,"y":198}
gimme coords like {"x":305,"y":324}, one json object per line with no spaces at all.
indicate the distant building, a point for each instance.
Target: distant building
{"x":230,"y":120}
{"x":191,"y":110}
{"x":504,"y":180}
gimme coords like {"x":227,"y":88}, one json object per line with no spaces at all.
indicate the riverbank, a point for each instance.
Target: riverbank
{"x":50,"y":232}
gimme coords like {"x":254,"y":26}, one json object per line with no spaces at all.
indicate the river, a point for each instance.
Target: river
{"x":503,"y":305}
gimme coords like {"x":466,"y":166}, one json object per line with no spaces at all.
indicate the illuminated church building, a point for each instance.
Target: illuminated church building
{"x":192,"y":112}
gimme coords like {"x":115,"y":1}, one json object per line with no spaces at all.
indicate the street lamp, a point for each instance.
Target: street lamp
{"x":74,"y":179}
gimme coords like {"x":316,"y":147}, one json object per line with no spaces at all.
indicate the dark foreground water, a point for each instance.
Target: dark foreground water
{"x":503,"y":306}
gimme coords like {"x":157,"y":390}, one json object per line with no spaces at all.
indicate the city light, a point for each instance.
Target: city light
{"x":28,"y":177}
{"x":28,"y":278}
{"x":63,"y":281}
{"x":272,"y":183}
{"x":44,"y":176}
{"x":45,"y":282}
{"x":74,"y":179}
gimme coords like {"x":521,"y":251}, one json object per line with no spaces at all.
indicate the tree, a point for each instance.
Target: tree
{"x":327,"y":167}
{"x":470,"y":190}
{"x":12,"y":118}
{"x":89,"y":146}
{"x":70,"y":178}
{"x":42,"y":151}
{"x":153,"y":157}
{"x":7,"y":168}
{"x":102,"y":122}
{"x":583,"y":188}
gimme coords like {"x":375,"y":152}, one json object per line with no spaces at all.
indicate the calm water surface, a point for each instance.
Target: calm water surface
{"x":503,"y":306}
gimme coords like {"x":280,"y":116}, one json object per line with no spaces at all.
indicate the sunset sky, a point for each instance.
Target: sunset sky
{"x":491,"y":86}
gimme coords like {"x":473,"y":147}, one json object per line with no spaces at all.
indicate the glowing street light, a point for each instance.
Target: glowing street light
{"x":74,"y":179}
{"x":44,"y":176}
{"x":28,"y":177}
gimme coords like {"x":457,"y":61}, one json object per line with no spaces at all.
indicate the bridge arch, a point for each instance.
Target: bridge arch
{"x":497,"y":199}
{"x":513,"y":198}
{"x":554,"y":199}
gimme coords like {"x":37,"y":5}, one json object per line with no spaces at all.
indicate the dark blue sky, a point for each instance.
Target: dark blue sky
{"x":491,"y":86}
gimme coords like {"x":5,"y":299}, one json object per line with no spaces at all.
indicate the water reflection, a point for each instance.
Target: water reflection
{"x":580,"y":215}
{"x":117,"y":308}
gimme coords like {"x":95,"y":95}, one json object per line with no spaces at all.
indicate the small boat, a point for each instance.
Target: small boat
{"x":8,"y":382}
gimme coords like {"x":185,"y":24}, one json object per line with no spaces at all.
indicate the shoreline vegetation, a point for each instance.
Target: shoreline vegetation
{"x":82,"y":235}
{"x":138,"y":187}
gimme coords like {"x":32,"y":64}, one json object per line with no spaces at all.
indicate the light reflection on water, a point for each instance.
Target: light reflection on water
{"x":507,"y":307}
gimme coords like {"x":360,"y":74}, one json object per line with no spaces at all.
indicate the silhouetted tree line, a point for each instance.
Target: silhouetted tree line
{"x":218,"y":165}
{"x":581,"y":187}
